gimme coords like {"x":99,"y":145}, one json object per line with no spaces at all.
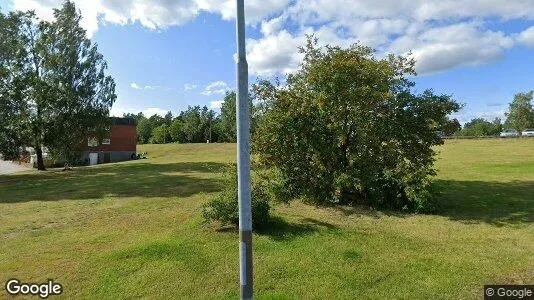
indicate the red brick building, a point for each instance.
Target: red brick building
{"x":119,"y":145}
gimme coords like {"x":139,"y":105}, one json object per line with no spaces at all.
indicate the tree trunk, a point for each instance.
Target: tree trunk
{"x":40,"y":161}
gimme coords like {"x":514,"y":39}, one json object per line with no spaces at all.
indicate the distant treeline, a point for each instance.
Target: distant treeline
{"x":520,"y":116}
{"x":200,"y":124}
{"x":194,"y":125}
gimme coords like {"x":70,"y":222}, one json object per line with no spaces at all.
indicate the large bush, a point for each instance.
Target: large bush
{"x":224,"y":207}
{"x":481,"y":127}
{"x":347,"y":128}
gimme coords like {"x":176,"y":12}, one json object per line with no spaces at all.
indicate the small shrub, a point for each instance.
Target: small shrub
{"x":270,"y":181}
{"x":224,"y":207}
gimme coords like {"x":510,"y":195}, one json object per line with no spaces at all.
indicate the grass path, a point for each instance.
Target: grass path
{"x":133,"y":230}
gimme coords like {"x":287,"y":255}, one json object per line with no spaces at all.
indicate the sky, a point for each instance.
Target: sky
{"x":168,"y":54}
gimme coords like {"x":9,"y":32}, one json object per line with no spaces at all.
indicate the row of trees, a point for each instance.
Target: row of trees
{"x":520,"y":116}
{"x":194,"y":125}
{"x":481,"y":127}
{"x":199,"y":124}
{"x":54,"y":90}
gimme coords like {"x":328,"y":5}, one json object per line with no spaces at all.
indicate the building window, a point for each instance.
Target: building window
{"x":92,"y":142}
{"x":106,"y":142}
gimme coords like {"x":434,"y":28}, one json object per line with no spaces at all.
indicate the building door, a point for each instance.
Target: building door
{"x":93,"y":159}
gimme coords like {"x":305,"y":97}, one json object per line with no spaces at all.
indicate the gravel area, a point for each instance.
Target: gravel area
{"x":7,"y":167}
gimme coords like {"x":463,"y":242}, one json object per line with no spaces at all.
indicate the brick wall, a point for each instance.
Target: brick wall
{"x":123,"y":138}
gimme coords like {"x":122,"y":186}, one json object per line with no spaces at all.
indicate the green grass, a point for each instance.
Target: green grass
{"x":134,"y":229}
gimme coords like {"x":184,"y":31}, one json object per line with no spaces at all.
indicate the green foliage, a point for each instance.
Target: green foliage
{"x":480,"y":127}
{"x":451,"y":127}
{"x":160,"y":135}
{"x":168,"y":118}
{"x":521,"y":112}
{"x":272,"y":181}
{"x":176,"y":132}
{"x":13,"y":130}
{"x":54,"y":81}
{"x":137,"y":117}
{"x":224,"y":208}
{"x":197,"y":125}
{"x":85,"y":93}
{"x":346,"y":128}
{"x":194,"y":125}
{"x":144,"y":130}
{"x":146,"y":127}
{"x":228,"y":118}
{"x":227,"y":122}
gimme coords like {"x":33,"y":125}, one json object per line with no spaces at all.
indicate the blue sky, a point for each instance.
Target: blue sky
{"x":171,"y":68}
{"x":166,"y":55}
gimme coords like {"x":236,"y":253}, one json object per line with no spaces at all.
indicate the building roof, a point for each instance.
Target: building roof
{"x":123,"y":121}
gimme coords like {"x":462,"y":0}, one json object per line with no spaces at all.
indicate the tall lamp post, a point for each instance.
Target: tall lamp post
{"x":243,"y":160}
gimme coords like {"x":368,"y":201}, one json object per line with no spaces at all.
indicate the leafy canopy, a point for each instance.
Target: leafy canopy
{"x":54,"y":89}
{"x":482,"y":127}
{"x":521,"y":112}
{"x":347,"y":128}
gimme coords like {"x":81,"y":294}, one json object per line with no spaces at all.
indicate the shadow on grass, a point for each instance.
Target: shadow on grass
{"x":494,"y":203}
{"x":365,"y":210}
{"x":279,"y":229}
{"x":138,"y":179}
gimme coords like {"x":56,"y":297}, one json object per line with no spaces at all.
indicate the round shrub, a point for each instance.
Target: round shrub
{"x":224,"y":207}
{"x":348,"y":128}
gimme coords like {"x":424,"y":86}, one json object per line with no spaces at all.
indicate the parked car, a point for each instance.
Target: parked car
{"x":510,"y":133}
{"x":528,"y":132}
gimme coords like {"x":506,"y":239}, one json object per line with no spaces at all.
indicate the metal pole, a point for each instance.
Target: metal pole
{"x":211,"y":117}
{"x":243,"y":160}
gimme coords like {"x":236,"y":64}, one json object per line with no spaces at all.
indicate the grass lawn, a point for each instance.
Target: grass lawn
{"x":134,"y":229}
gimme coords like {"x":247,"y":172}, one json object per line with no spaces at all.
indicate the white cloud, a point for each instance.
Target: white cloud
{"x":272,"y":26}
{"x":465,"y":44}
{"x":190,"y":87}
{"x":153,"y":14}
{"x":441,"y":33}
{"x":255,"y":10}
{"x":119,"y":111}
{"x":274,"y":53}
{"x":45,"y":10}
{"x":42,"y":8}
{"x":155,"y":111}
{"x":216,"y":104}
{"x":136,"y":86}
{"x":436,"y":49}
{"x":527,"y":37}
{"x":418,"y":10}
{"x":215,"y":88}
{"x":491,"y":115}
{"x":465,"y":115}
